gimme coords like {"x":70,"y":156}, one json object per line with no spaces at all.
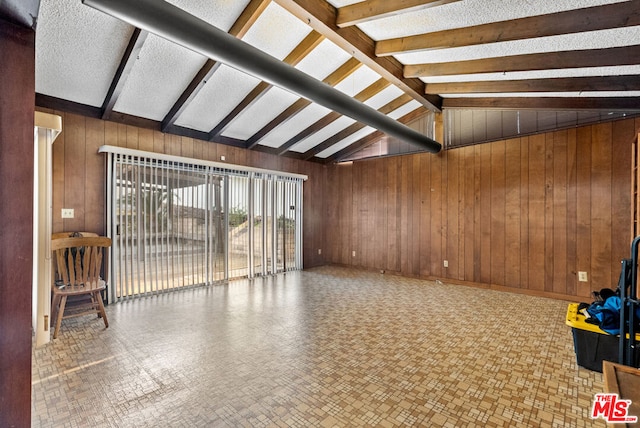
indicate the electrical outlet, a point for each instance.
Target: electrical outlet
{"x":222,"y":158}
{"x":445,"y":263}
{"x":67,"y":212}
{"x":582,"y":276}
{"x":353,"y":254}
{"x":319,"y":250}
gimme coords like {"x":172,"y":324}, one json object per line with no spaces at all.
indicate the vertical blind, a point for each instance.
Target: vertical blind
{"x":178,"y":222}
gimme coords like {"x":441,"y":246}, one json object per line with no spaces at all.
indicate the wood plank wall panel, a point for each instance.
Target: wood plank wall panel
{"x":601,"y":171}
{"x":583,"y":214}
{"x":525,"y":214}
{"x":79,"y":173}
{"x":95,"y":189}
{"x":467,"y":154}
{"x":425,"y":215}
{"x":17,"y":92}
{"x":476,"y":158}
{"x":453,"y":229}
{"x":536,"y":217}
{"x":572,"y":213}
{"x":435,"y":194}
{"x":74,"y":172}
{"x":549,"y":192}
{"x":620,"y":195}
{"x":498,"y":208}
{"x":512,"y":214}
{"x":392,"y":168}
{"x":485,"y":214}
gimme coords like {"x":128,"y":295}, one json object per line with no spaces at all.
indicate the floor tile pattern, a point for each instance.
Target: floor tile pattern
{"x":324,"y":347}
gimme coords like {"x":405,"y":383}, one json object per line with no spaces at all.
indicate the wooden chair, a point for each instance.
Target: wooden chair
{"x":59,"y":235}
{"x":78,"y":262}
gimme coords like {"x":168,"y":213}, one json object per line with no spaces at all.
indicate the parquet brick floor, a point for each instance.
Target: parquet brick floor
{"x":325,"y":347}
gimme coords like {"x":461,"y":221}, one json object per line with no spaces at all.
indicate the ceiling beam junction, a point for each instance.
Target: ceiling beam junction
{"x":344,"y":71}
{"x":304,"y":48}
{"x":368,"y":92}
{"x":369,"y":139}
{"x":322,"y":16}
{"x":355,"y":127}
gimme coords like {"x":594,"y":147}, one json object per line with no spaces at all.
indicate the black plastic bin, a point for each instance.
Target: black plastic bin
{"x":591,"y":344}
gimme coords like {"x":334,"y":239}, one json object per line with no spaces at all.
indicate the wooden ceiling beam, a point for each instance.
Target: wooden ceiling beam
{"x":617,"y":15}
{"x":122,"y":73}
{"x":565,"y":84}
{"x":370,"y":10}
{"x":53,"y":103}
{"x":545,"y":103}
{"x":322,"y":16}
{"x":362,"y":96}
{"x":371,"y":138}
{"x":625,"y":55}
{"x":245,"y":21}
{"x":303,"y":49}
{"x":344,"y":71}
{"x":355,"y":127}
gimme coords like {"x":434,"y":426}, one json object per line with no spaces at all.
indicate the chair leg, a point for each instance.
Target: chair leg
{"x":96,"y":305}
{"x":101,"y":310}
{"x":54,"y":309}
{"x":63,"y":303}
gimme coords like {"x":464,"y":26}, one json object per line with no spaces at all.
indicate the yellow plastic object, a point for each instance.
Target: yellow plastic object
{"x":577,"y":320}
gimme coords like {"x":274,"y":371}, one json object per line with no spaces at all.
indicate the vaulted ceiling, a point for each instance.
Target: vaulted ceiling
{"x":491,"y":64}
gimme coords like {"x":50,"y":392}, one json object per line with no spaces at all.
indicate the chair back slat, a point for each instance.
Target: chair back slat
{"x":63,"y":272}
{"x":97,"y":262}
{"x":86,"y":263}
{"x":79,"y":260}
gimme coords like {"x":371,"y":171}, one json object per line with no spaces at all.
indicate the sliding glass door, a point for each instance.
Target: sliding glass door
{"x":176,"y":224}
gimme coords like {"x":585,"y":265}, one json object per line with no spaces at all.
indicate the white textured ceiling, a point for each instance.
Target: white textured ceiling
{"x":267,"y":33}
{"x":161,"y":72}
{"x":78,"y":51}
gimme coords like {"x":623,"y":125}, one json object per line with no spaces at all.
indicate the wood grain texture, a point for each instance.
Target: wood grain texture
{"x":583,"y":209}
{"x":536,"y":212}
{"x":601,"y":164}
{"x":572,"y":212}
{"x":525,"y":214}
{"x":498,"y":212}
{"x":485,"y":214}
{"x":512,"y":217}
{"x":17,"y":94}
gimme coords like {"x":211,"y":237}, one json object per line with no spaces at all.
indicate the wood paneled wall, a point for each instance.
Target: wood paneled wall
{"x":79,"y":180}
{"x":526,"y":213}
{"x":17,"y":92}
